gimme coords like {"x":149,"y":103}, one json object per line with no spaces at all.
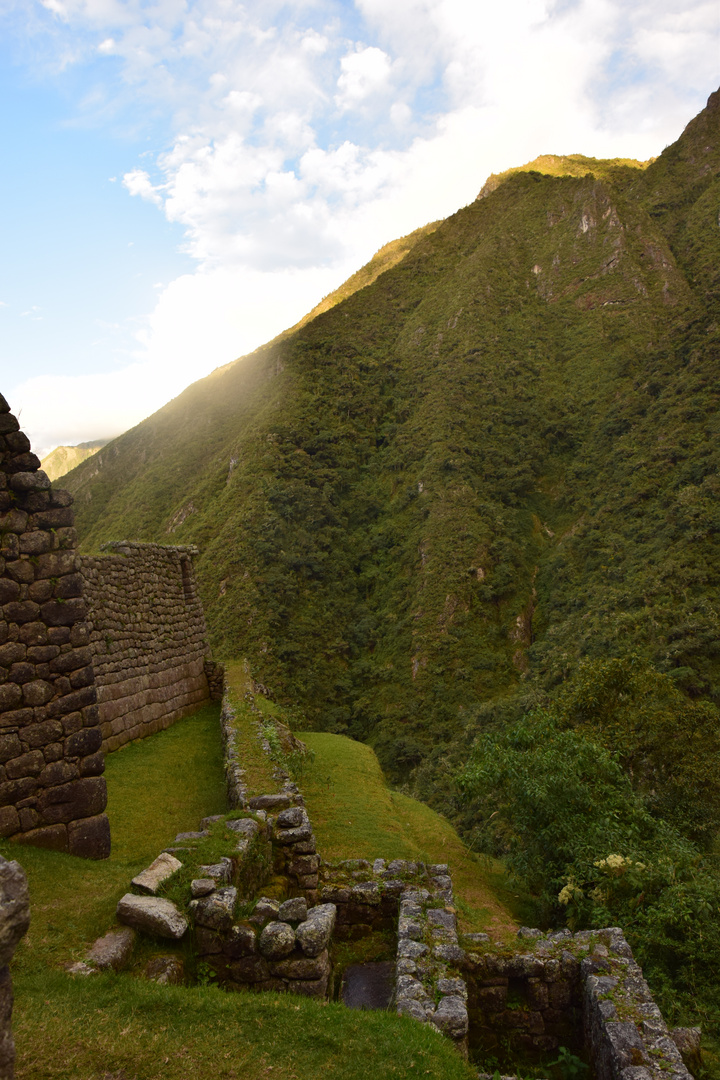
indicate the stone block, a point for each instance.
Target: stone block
{"x":13,"y":792}
{"x":153,"y":915}
{"x":9,"y":821}
{"x":299,"y":966}
{"x":113,"y":949}
{"x":9,"y":747}
{"x":62,"y":612}
{"x":30,"y":764}
{"x":53,"y":837}
{"x":93,"y":765}
{"x":90,"y":837}
{"x":315,"y":988}
{"x":10,"y":696}
{"x":82,"y":798}
{"x":37,"y":692}
{"x":249,"y":969}
{"x":150,"y":880}
{"x":216,"y":910}
{"x":9,"y":592}
{"x":277,"y":940}
{"x":35,"y":542}
{"x":21,"y":611}
{"x":38,"y":735}
{"x":314,"y":934}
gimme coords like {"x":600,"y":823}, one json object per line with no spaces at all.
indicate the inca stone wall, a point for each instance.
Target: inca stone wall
{"x":147,"y":636}
{"x":52,"y":792}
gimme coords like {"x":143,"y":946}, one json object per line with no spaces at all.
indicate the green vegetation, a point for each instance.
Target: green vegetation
{"x":122,"y":1026}
{"x":459,"y":494}
{"x":355,"y":815}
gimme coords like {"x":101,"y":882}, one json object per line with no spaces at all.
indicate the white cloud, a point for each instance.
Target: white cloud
{"x":364,"y":72}
{"x":302,"y":139}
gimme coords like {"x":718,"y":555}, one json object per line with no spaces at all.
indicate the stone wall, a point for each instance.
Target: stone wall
{"x":14,"y":922}
{"x":148,"y":638}
{"x":52,"y":792}
{"x":583,"y":991}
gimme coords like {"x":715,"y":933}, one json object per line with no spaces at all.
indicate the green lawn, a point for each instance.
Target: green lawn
{"x":356,"y":815}
{"x":118,"y":1027}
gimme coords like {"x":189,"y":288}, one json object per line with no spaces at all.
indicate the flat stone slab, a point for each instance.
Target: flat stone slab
{"x":150,"y":880}
{"x":112,"y":950}
{"x":368,"y":986}
{"x":153,"y":915}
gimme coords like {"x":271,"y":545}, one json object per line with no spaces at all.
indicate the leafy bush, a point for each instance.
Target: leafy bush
{"x":563,"y":811}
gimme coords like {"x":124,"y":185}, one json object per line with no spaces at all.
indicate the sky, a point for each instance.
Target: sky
{"x":183,"y":179}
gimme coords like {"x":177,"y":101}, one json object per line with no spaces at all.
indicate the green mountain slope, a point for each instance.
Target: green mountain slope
{"x":64,"y":458}
{"x":497,"y":457}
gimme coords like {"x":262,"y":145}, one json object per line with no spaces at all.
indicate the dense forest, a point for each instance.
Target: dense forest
{"x":468,"y":512}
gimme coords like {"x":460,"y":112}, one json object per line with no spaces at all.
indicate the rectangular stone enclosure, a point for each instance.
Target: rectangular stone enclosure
{"x":148,"y":638}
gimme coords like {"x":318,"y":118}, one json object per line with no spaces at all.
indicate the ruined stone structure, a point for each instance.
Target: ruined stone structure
{"x":148,"y":638}
{"x":52,"y":792}
{"x":14,"y":922}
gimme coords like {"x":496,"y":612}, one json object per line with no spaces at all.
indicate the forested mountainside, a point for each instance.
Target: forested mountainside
{"x":499,"y":457}
{"x":468,"y":512}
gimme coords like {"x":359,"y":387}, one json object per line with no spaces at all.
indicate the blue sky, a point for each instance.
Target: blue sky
{"x":182,"y":179}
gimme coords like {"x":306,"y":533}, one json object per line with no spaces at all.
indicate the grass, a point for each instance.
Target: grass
{"x":157,"y":787}
{"x":355,"y":815}
{"x":258,"y":767}
{"x":118,"y":1027}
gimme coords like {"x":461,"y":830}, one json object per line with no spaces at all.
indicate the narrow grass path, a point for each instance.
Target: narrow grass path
{"x":356,"y":815}
{"x":117,"y":1027}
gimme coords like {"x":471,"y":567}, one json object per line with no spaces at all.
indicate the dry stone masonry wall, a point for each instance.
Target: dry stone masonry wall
{"x":148,"y":639}
{"x":52,"y":792}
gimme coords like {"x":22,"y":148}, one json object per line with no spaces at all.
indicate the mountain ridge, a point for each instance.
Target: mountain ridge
{"x":397,"y":503}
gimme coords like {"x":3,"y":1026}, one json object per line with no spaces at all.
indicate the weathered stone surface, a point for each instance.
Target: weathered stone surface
{"x":241,"y":941}
{"x":265,"y":910}
{"x":202,"y":886}
{"x":315,"y":933}
{"x":451,"y":1017}
{"x":216,"y":910}
{"x":276,"y":940}
{"x":270,"y":802}
{"x":293,"y":910}
{"x":245,"y":827}
{"x":293,"y":836}
{"x":89,"y":837}
{"x":165,"y":970}
{"x":150,"y":880}
{"x":153,"y":915}
{"x":219,"y":872}
{"x":298,"y":966}
{"x":292,"y":818}
{"x":14,"y":908}
{"x":113,"y":949}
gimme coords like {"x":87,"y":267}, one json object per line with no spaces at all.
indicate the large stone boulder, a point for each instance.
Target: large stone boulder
{"x":314,"y":934}
{"x":153,"y":915}
{"x":276,"y":940}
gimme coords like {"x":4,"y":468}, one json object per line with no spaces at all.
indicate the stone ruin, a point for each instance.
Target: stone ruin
{"x":52,"y":792}
{"x":94,"y":651}
{"x":148,"y":639}
{"x":583,"y":991}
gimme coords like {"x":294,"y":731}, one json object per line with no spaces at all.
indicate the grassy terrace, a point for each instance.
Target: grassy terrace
{"x":118,"y":1027}
{"x":355,"y":815}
